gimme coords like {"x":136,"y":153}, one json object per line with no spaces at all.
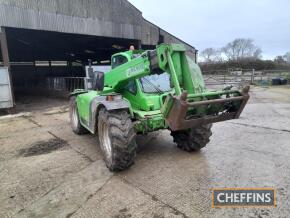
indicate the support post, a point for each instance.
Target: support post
{"x":253,"y":77}
{"x":139,"y":45}
{"x":5,"y":56}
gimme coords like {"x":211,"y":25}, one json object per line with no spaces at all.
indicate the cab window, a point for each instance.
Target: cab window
{"x":118,"y":60}
{"x":131,"y":87}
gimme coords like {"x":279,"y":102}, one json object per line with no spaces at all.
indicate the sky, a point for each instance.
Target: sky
{"x":214,"y":23}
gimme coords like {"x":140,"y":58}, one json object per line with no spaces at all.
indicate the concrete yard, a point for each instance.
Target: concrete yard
{"x":48,"y":171}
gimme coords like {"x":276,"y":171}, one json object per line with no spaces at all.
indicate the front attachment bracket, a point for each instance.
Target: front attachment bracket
{"x":180,"y":113}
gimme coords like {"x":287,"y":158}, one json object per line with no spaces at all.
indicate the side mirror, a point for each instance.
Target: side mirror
{"x":99,"y":81}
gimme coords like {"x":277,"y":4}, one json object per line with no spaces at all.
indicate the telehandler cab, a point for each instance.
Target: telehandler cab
{"x":147,"y":91}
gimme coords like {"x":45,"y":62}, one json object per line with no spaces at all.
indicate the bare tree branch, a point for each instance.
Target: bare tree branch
{"x":241,"y":48}
{"x":211,"y":55}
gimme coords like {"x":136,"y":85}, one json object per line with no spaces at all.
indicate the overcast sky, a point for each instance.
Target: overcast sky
{"x":213,"y":23}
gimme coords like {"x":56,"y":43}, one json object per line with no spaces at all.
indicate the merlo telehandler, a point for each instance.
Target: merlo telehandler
{"x":146,"y":91}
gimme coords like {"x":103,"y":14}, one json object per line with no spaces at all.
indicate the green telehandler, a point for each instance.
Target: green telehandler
{"x":146,"y":91}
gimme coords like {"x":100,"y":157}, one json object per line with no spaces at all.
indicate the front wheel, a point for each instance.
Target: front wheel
{"x":192,"y":139}
{"x":117,"y":139}
{"x":74,"y":117}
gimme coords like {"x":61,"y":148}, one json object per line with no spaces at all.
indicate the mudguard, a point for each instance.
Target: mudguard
{"x":99,"y":102}
{"x":77,"y":92}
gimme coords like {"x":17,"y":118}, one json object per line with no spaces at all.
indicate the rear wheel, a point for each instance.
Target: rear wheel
{"x":74,"y":117}
{"x":193,"y":139}
{"x":117,"y":139}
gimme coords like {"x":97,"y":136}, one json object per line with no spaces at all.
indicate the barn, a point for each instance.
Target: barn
{"x":45,"y":45}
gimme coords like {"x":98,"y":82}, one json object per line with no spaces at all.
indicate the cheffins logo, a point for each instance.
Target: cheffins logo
{"x":243,"y":197}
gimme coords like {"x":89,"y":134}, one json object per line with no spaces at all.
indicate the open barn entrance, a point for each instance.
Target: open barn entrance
{"x":44,"y":63}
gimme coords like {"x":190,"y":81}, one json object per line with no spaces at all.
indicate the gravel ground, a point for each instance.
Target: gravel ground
{"x":47,"y":171}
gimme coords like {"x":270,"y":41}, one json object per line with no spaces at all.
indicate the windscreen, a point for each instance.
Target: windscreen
{"x":156,"y":83}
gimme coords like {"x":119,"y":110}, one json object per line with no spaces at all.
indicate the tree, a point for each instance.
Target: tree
{"x":210,"y":54}
{"x":280,"y":59}
{"x":257,"y":53}
{"x":287,"y":57}
{"x":241,"y":48}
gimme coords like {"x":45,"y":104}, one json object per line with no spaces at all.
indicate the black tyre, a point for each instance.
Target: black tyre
{"x":74,"y":117}
{"x":193,"y":139}
{"x":117,"y":139}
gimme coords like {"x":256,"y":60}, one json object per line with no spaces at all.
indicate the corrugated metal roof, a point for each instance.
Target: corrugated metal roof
{"x":110,"y":18}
